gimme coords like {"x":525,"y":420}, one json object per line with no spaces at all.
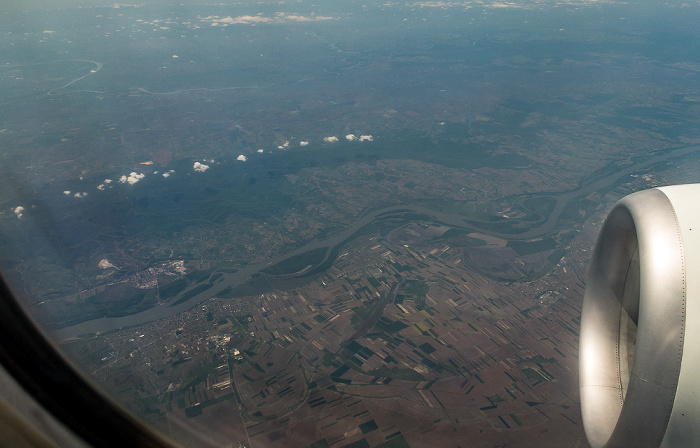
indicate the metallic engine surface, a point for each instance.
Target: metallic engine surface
{"x":684,"y":426}
{"x":637,"y":270}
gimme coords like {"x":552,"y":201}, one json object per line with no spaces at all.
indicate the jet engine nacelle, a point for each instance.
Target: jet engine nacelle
{"x":639,"y":354}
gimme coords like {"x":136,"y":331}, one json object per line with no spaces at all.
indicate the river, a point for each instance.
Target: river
{"x":244,"y":273}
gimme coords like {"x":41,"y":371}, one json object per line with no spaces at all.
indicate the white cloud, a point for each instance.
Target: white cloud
{"x":299,"y":18}
{"x":175,"y":56}
{"x":303,"y":143}
{"x":80,"y":195}
{"x":166,"y":174}
{"x":135,"y":177}
{"x":132,"y":178}
{"x":261,"y":151}
{"x":200,"y":167}
{"x":66,"y":192}
{"x":18,"y":211}
{"x":331,"y":139}
{"x":247,"y":19}
{"x":101,"y":187}
{"x":108,"y":181}
{"x":105,"y":264}
{"x":280,"y":17}
{"x":241,"y":158}
{"x":366,"y":138}
{"x":351,"y":137}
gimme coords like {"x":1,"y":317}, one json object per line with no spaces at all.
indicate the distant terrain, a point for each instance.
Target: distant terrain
{"x":333,"y":225}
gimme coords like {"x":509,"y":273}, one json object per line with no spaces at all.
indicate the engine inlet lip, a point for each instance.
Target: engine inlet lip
{"x":644,"y":221}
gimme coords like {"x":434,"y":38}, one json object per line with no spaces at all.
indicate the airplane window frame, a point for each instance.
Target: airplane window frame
{"x":56,"y":385}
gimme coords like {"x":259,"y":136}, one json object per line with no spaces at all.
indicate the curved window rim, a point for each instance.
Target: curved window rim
{"x":37,"y":365}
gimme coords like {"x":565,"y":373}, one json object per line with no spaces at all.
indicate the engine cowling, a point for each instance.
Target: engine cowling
{"x":639,"y":357}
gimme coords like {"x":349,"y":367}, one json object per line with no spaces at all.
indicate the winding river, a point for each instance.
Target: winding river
{"x":458,"y":221}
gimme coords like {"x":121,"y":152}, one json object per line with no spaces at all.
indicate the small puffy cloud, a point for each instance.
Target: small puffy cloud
{"x":101,"y":187}
{"x":175,"y":56}
{"x":260,"y":151}
{"x":166,"y":174}
{"x":66,"y":192}
{"x":132,"y":178}
{"x":303,"y":143}
{"x":241,"y":158}
{"x":351,"y":137}
{"x":200,"y":167}
{"x":331,"y":139}
{"x":18,"y":211}
{"x":105,"y":264}
{"x":108,"y":181}
{"x":80,"y":195}
{"x":366,"y":138}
